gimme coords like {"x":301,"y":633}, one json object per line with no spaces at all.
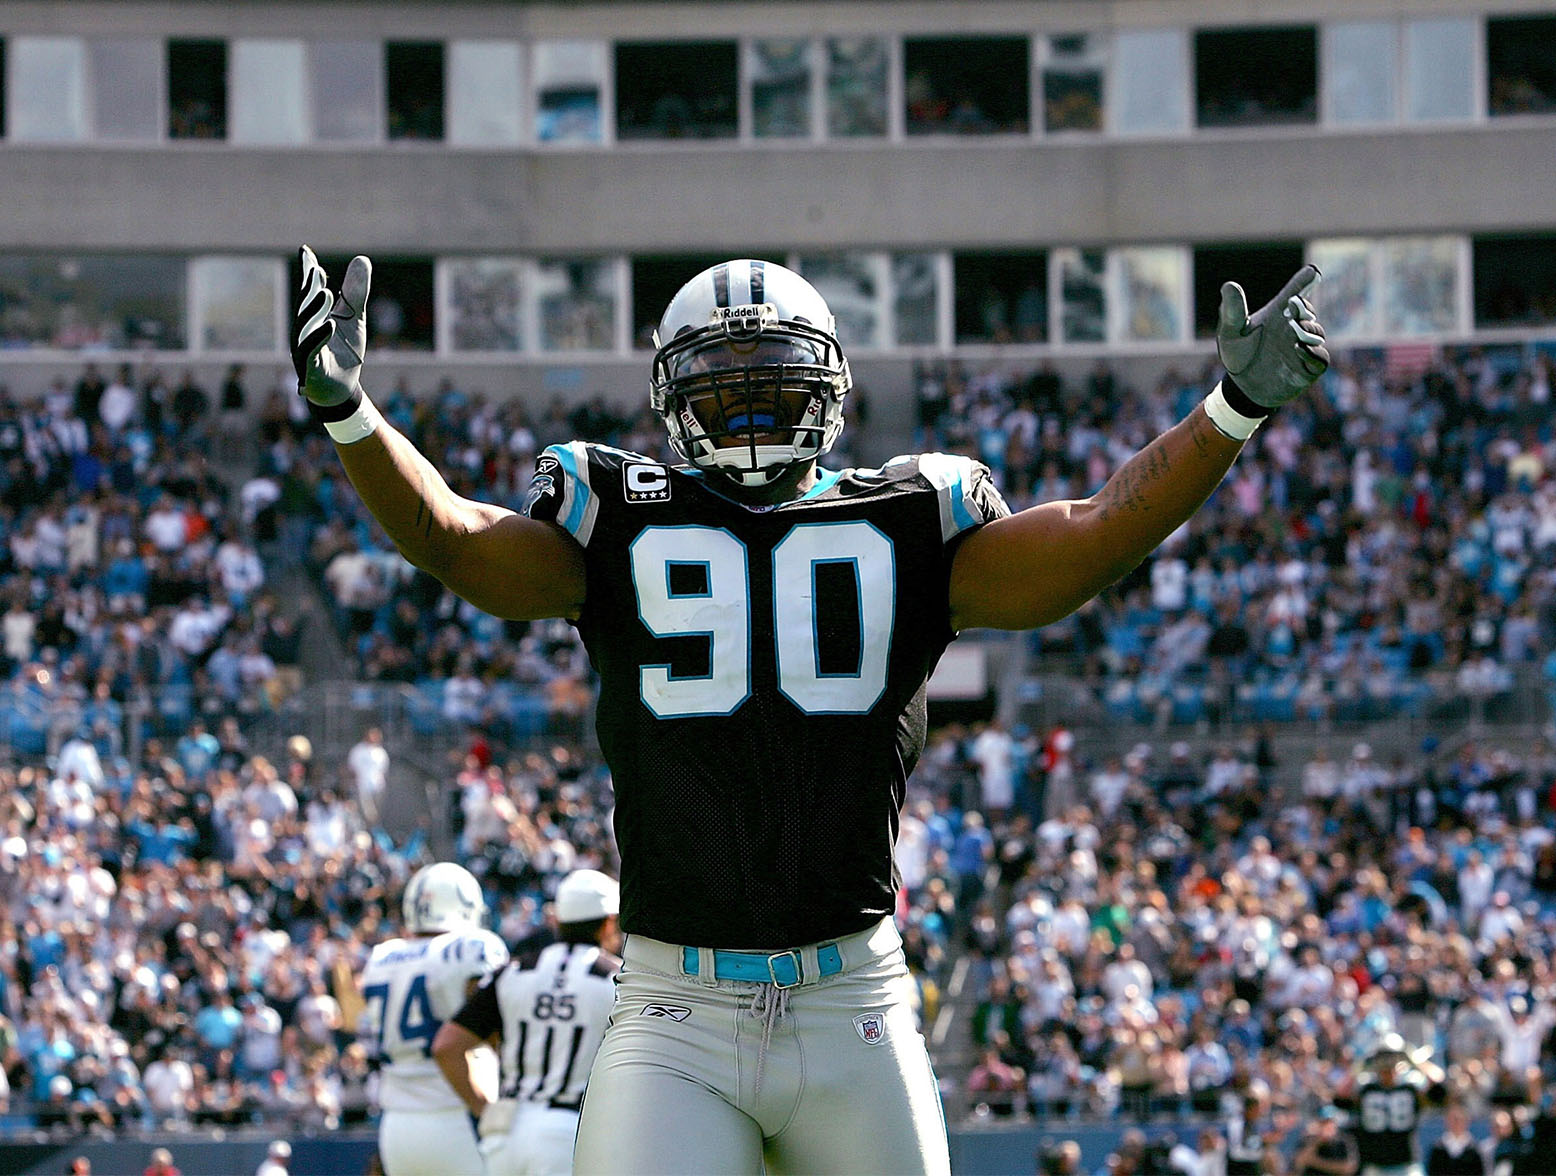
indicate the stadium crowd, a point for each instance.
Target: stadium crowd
{"x":1384,"y":539}
{"x":1176,"y":938}
{"x":1153,"y":933}
{"x":131,"y":576}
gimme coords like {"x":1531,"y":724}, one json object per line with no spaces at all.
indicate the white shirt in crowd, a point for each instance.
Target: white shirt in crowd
{"x":166,"y":529}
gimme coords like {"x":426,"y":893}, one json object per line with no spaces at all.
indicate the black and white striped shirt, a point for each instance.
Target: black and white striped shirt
{"x":549,"y":1011}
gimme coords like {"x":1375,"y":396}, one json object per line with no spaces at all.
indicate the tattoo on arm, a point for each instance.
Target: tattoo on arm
{"x":1128,"y":490}
{"x":1200,"y":431}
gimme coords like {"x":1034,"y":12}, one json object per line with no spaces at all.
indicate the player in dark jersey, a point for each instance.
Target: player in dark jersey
{"x":1387,"y":1107}
{"x":763,"y":630}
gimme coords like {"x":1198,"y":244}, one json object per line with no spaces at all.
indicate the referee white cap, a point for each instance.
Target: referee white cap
{"x":585,"y":895}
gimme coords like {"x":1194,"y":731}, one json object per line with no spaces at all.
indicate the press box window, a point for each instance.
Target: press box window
{"x":197,"y":89}
{"x":967,"y":85}
{"x":575,"y":305}
{"x":1261,"y":270}
{"x":779,"y":73}
{"x":655,"y":279}
{"x":1256,"y":77}
{"x":348,"y":82}
{"x":1149,"y":92}
{"x":1072,"y":82}
{"x":676,"y":90}
{"x":854,"y":285}
{"x":569,"y":77}
{"x":72,"y":302}
{"x":1515,"y":281}
{"x":1361,"y":69}
{"x":485,"y":304}
{"x":126,"y":89}
{"x":413,"y":76}
{"x":1001,"y":297}
{"x":856,"y":87}
{"x":49,"y":76}
{"x":1521,"y":65}
{"x":235,"y":303}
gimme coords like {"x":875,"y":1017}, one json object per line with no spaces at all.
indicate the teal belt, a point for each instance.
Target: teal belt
{"x":781,"y":968}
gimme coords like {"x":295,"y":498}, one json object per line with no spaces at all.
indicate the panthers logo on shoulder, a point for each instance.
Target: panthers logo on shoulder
{"x":543,"y":484}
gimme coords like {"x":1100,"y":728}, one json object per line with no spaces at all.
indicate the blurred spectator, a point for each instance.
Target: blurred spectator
{"x":368,"y":764}
{"x":278,"y":1159}
{"x":161,"y":1164}
{"x":995,"y":1084}
{"x":1325,"y":1149}
{"x":1457,"y":1152}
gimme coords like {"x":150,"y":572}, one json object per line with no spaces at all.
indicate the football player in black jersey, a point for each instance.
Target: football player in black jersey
{"x":763,"y":629}
{"x":1387,"y":1106}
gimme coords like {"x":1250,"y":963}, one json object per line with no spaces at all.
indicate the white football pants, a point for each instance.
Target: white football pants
{"x":720,"y":1076}
{"x":428,"y":1143}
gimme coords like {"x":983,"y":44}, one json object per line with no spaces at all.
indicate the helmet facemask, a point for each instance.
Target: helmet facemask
{"x":750,"y":396}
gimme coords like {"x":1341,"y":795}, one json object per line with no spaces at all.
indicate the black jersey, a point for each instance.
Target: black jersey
{"x":1386,"y":1122}
{"x":762,"y":678}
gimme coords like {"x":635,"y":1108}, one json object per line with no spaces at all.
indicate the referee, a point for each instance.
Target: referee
{"x":545,"y":1013}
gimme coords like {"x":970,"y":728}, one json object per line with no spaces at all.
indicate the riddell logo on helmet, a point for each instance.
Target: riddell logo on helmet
{"x":739,"y":319}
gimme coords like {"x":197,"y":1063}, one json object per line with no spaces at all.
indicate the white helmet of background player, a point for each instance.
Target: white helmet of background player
{"x":749,"y":376}
{"x":442,"y":897}
{"x":1390,"y":1057}
{"x":586,"y":895}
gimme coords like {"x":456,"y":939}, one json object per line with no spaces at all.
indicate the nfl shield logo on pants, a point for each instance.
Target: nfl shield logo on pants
{"x":871,"y":1027}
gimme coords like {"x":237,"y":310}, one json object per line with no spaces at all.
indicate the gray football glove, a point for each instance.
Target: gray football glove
{"x":1276,"y":353}
{"x":329,"y":336}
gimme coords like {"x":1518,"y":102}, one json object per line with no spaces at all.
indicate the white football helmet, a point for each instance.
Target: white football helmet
{"x":585,"y":895}
{"x":749,"y":376}
{"x":442,"y":897}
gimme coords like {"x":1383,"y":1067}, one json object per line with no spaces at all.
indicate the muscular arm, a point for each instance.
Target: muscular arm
{"x":1033,"y":568}
{"x":451,"y":1050}
{"x":501,"y":562}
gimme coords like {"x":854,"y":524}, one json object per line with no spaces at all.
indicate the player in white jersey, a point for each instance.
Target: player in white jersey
{"x":410,"y":987}
{"x":546,"y":1013}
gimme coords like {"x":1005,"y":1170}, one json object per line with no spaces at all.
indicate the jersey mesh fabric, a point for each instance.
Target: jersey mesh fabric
{"x":766,"y":827}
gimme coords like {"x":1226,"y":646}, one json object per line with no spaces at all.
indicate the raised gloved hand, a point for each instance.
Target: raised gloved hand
{"x":1274,"y":354}
{"x":496,"y":1118}
{"x":329,"y":337}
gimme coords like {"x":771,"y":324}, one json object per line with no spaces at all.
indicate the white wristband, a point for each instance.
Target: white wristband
{"x":1226,"y":418}
{"x":362,"y":423}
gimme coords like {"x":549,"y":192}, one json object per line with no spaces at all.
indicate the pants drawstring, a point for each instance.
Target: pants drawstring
{"x":771,"y":1003}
